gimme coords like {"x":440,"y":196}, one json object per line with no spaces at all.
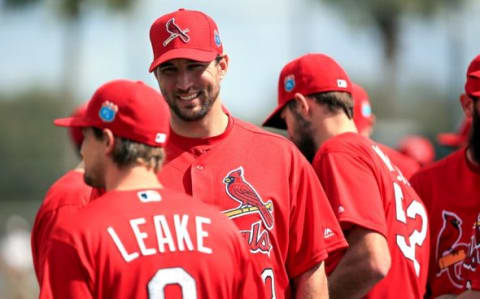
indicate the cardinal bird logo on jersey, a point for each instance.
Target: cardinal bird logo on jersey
{"x":473,"y":260}
{"x":450,"y":252}
{"x":250,"y":201}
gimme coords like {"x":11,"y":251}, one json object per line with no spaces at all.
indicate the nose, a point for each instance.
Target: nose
{"x":184,"y":80}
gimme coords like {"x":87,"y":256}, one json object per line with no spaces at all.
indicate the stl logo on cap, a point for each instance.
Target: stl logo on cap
{"x":289,"y":83}
{"x":175,"y":31}
{"x":108,"y":111}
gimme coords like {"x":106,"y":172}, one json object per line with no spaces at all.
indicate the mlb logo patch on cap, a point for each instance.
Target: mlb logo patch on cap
{"x":342,"y":83}
{"x":160,"y":137}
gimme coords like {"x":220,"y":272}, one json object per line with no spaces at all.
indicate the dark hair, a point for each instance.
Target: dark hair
{"x":127,"y":152}
{"x":333,"y":100}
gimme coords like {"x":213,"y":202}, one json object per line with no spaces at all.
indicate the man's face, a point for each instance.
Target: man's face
{"x":93,"y":158}
{"x":299,"y":131}
{"x":475,"y":134}
{"x":190,"y":87}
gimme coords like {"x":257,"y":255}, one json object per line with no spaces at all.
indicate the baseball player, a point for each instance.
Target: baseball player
{"x":140,"y":240}
{"x":383,"y":219}
{"x":64,"y":197}
{"x":256,"y":178}
{"x":364,"y":120}
{"x":450,"y":189}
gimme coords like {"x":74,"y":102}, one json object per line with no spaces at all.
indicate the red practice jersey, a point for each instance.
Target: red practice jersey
{"x":366,"y":189}
{"x":266,"y":186}
{"x":65,"y":196}
{"x":450,"y":189}
{"x":148,"y":244}
{"x":407,"y":165}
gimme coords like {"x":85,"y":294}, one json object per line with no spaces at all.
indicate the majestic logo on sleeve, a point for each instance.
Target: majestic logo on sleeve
{"x":450,"y":253}
{"x":175,"y":31}
{"x":240,"y":190}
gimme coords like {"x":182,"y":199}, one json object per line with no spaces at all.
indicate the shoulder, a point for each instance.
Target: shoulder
{"x":441,"y":167}
{"x":351,"y":144}
{"x":262,"y":135}
{"x":69,"y":190}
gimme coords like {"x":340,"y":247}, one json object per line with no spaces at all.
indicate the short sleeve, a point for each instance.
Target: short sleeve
{"x":353,"y":190}
{"x":312,"y":221}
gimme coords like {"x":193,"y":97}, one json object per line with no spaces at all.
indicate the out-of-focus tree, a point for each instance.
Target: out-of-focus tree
{"x":72,"y":12}
{"x":386,"y":17}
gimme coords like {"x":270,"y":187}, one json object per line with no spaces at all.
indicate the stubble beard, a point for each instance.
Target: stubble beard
{"x":304,"y":138}
{"x":205,"y":107}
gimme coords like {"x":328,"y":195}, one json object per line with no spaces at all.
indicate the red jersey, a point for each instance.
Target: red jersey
{"x":366,"y":189}
{"x":148,"y":244}
{"x":450,"y":189}
{"x":266,"y":186}
{"x":407,"y":165}
{"x":65,"y":196}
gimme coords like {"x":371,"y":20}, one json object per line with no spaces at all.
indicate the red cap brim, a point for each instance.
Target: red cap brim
{"x":450,"y":139}
{"x":193,"y":54}
{"x":274,"y":120}
{"x":71,"y":122}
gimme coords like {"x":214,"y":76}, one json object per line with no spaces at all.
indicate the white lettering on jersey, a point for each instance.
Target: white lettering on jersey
{"x":164,"y":236}
{"x":202,"y":234}
{"x":128,"y":257}
{"x":135,"y":223}
{"x":164,"y":228}
{"x":182,"y":232}
{"x":384,"y":158}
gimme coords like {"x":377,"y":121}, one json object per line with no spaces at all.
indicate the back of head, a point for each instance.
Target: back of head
{"x":308,"y":74}
{"x":472,"y":85}
{"x":419,"y":148}
{"x":362,"y":110}
{"x":185,"y":34}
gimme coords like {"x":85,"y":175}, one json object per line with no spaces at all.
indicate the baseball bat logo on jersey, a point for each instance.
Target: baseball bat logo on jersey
{"x":450,"y":252}
{"x":473,"y":259}
{"x":175,"y":31}
{"x":239,"y":189}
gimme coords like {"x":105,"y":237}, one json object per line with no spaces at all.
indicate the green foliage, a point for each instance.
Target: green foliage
{"x":33,"y":149}
{"x":18,"y":4}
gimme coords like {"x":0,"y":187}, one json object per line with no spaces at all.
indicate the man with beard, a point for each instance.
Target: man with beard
{"x":139,"y":239}
{"x":383,"y":219}
{"x":450,"y":189}
{"x":256,"y":178}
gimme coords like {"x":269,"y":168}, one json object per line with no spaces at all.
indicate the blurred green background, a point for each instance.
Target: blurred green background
{"x":410,"y":55}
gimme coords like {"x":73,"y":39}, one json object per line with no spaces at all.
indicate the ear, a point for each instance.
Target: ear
{"x":223,"y":65}
{"x":303,"y":105}
{"x":467,"y":105}
{"x":109,"y":141}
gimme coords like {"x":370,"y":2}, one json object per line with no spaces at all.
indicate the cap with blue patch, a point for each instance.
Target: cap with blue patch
{"x":130,"y":109}
{"x":308,"y":74}
{"x":362,"y":110}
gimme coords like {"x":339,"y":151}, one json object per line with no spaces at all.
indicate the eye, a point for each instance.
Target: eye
{"x":168,"y":70}
{"x":197,"y":66}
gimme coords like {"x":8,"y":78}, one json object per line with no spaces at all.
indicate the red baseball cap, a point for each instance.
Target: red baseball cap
{"x":472,"y":86}
{"x":456,"y":139}
{"x":129,"y":109}
{"x":76,"y":134}
{"x":418,"y":148}
{"x":186,"y":34}
{"x":308,"y":74}
{"x":362,"y":110}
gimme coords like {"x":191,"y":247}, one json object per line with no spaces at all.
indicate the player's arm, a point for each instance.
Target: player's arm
{"x":64,"y":276}
{"x":365,"y":263}
{"x":470,"y":294}
{"x":312,"y":283}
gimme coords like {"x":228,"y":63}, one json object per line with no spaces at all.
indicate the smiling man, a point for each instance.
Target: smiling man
{"x":256,"y":178}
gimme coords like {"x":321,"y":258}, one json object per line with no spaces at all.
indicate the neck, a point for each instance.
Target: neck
{"x":214,"y":123}
{"x":130,"y":178}
{"x":470,"y":157}
{"x":333,"y":126}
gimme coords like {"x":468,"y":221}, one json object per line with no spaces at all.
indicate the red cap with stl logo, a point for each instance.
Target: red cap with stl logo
{"x":185,"y":34}
{"x":309,"y":74}
{"x":472,"y":86}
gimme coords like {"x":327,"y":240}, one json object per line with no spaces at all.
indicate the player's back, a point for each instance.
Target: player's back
{"x":154,"y":243}
{"x":404,"y":223}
